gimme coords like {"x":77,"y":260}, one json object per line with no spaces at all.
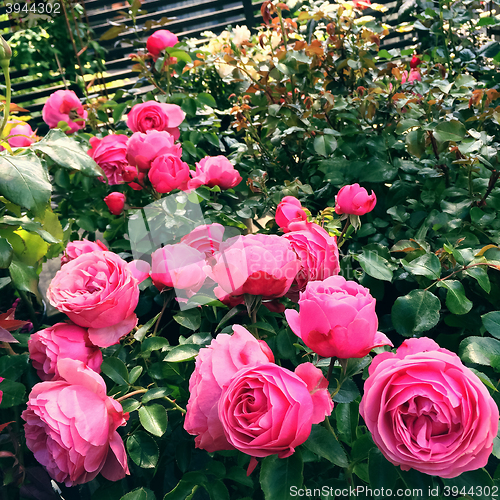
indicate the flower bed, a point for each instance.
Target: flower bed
{"x":279,"y":271}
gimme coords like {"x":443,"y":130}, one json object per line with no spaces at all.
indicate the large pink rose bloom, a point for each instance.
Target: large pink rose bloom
{"x":110,"y":153}
{"x":76,"y":248}
{"x":60,"y":341}
{"x":267,"y":409}
{"x":413,"y":76}
{"x":258,"y":264}
{"x":168,"y":172}
{"x":215,"y":366}
{"x":71,"y":426}
{"x":337,"y":318}
{"x":154,"y":115}
{"x":205,"y":238}
{"x":142,"y":149}
{"x":317,"y":251}
{"x":289,"y":210}
{"x":215,"y":171}
{"x":98,"y":291}
{"x":159,"y":41}
{"x":21,"y":135}
{"x":178,"y":266}
{"x":427,"y":411}
{"x":64,"y":105}
{"x":354,"y":200}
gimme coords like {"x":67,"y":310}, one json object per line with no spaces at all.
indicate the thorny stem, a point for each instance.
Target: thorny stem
{"x":6,"y":110}
{"x":130,"y":394}
{"x":344,"y":230}
{"x":464,"y":268}
{"x":495,"y":174}
{"x":330,"y":368}
{"x":165,"y":304}
{"x":142,"y":391}
{"x":328,"y":425}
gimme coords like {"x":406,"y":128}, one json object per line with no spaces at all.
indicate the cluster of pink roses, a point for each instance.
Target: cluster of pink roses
{"x":240,"y":399}
{"x":152,"y":153}
{"x":98,"y":291}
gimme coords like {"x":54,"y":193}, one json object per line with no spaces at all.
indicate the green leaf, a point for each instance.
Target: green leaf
{"x":182,"y":491}
{"x":67,"y":153}
{"x":207,"y":99}
{"x":322,"y":442}
{"x":13,"y":366}
{"x":474,"y":481}
{"x":480,"y":350}
{"x":155,"y":393}
{"x":347,"y":415}
{"x":154,"y":344}
{"x":277,"y":475}
{"x":13,"y":393}
{"x":491,"y":321}
{"x":154,"y":419}
{"x":139,"y":494}
{"x":23,"y":181}
{"x":217,"y":490}
{"x":118,"y":111}
{"x":450,"y":131}
{"x":116,"y":370}
{"x":130,"y":405}
{"x":481,"y":276}
{"x":374,"y":265}
{"x":143,"y":450}
{"x":415,"y":312}
{"x":4,"y":282}
{"x":190,"y":319}
{"x":486,"y":21}
{"x":415,"y":142}
{"x":141,"y":332}
{"x":6,"y":253}
{"x":182,"y":353}
{"x":24,"y":277}
{"x":405,"y":125}
{"x":427,"y":265}
{"x":325,"y":144}
{"x":381,"y":472}
{"x":456,"y":301}
{"x":135,"y":373}
{"x":189,"y":107}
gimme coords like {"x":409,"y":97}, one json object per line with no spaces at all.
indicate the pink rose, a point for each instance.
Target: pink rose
{"x":64,"y":106}
{"x":253,"y":420}
{"x":142,"y":149}
{"x":159,"y":41}
{"x":289,"y":210}
{"x":337,"y":318}
{"x":215,"y":366}
{"x":98,"y":291}
{"x":178,"y":266}
{"x":154,"y":115}
{"x":168,"y":172}
{"x":20,"y":135}
{"x":115,"y":202}
{"x":414,"y":76}
{"x":427,"y":411}
{"x":317,"y":251}
{"x":76,"y":248}
{"x":71,"y":426}
{"x":362,"y":4}
{"x":205,"y":238}
{"x":354,"y":200}
{"x":215,"y":171}
{"x":110,"y":153}
{"x":258,"y":264}
{"x":60,"y":341}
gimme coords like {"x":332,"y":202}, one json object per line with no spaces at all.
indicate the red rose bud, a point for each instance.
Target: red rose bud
{"x":415,"y":61}
{"x":115,"y":202}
